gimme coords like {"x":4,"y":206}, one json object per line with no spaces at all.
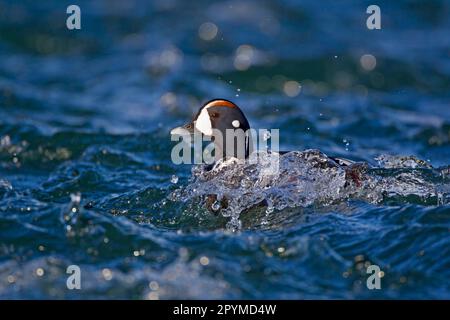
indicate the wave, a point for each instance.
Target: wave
{"x":301,"y":179}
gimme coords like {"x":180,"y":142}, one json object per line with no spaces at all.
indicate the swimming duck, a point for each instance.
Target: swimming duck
{"x":214,"y":118}
{"x":217,"y":116}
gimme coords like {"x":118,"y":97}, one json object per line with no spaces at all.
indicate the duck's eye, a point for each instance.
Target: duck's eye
{"x":214,"y":115}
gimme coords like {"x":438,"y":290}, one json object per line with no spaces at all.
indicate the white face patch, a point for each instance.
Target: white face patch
{"x":236,"y":123}
{"x":203,"y":123}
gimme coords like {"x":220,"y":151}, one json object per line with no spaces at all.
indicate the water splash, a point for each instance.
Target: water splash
{"x":302,"y":179}
{"x":388,"y":161}
{"x":71,"y":213}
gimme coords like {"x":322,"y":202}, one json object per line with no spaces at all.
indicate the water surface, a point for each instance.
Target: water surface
{"x":85,"y":170}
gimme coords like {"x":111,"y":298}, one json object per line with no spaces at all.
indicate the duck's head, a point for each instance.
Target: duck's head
{"x":221,"y":117}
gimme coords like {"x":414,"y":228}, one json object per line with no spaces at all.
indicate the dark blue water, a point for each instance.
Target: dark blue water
{"x":86,"y":177}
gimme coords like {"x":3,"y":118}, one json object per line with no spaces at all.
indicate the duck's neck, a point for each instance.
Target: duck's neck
{"x":238,"y":146}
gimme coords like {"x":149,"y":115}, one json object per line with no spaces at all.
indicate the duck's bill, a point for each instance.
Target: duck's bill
{"x":185,"y":130}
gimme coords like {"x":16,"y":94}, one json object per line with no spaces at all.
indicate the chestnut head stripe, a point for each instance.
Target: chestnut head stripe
{"x":220,"y":103}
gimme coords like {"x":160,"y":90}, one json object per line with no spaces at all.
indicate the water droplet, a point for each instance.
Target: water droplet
{"x":107,"y":274}
{"x":153,"y":285}
{"x":208,"y":31}
{"x":204,"y":261}
{"x":215,"y":206}
{"x":75,"y":198}
{"x":292,"y":88}
{"x":39,"y":272}
{"x":174,"y":179}
{"x":11,"y":279}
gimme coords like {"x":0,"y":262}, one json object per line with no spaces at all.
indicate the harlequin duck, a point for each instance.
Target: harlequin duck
{"x":217,"y":116}
{"x":222,"y":115}
{"x":214,"y":118}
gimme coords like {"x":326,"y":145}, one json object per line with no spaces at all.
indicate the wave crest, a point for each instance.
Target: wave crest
{"x":307,"y":178}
